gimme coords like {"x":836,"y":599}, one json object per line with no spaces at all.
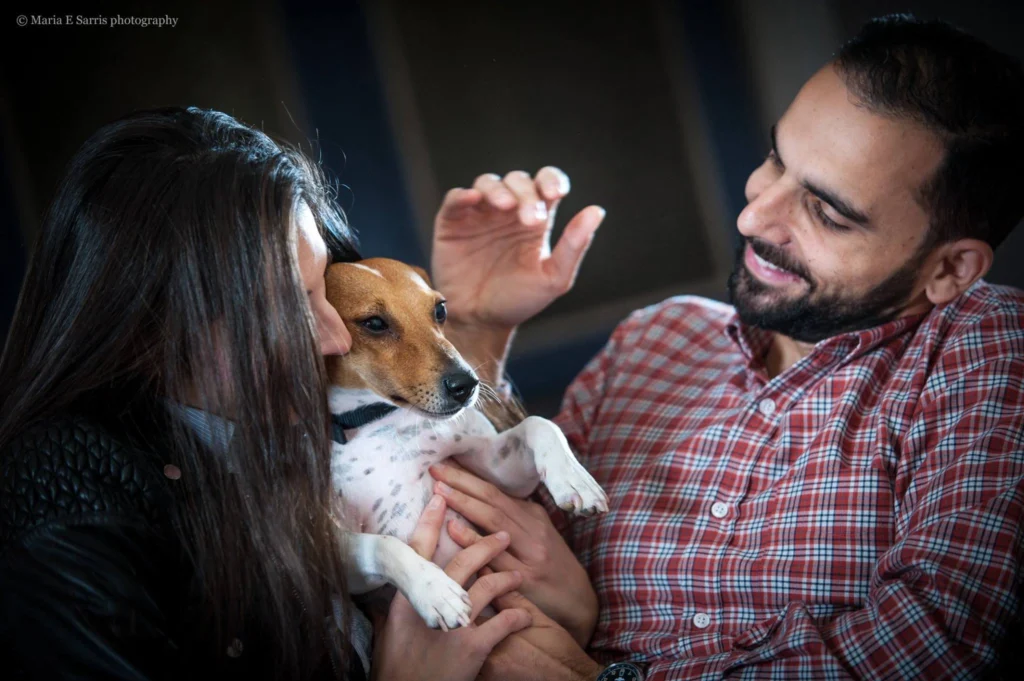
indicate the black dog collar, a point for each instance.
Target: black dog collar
{"x":357,"y":418}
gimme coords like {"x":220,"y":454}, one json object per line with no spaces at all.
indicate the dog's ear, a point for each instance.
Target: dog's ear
{"x":423,"y":273}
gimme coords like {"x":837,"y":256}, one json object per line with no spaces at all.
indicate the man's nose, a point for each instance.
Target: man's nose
{"x":767,"y":214}
{"x":334,"y":337}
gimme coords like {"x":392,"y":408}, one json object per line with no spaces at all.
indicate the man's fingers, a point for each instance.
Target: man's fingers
{"x":496,"y":629}
{"x":533,"y":210}
{"x":514,"y":600}
{"x":466,"y":536}
{"x":468,"y":561}
{"x":459,"y":478}
{"x":552,"y":183}
{"x":457,"y":201}
{"x":485,"y":516}
{"x":428,"y":529}
{"x":495,"y":192}
{"x":490,"y":586}
{"x":564,"y":263}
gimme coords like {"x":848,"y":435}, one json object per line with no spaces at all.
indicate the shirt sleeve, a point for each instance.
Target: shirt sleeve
{"x":78,"y":602}
{"x":943,"y":598}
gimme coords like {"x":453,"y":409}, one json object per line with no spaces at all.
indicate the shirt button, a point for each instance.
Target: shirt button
{"x":766,"y":406}
{"x":719,"y":510}
{"x":701,"y":620}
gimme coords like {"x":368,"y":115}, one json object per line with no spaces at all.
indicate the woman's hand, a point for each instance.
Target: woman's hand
{"x":493,"y":261}
{"x":543,"y":651}
{"x":406,"y":649}
{"x":552,"y":577}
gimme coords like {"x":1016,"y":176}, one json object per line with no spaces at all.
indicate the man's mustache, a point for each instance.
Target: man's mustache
{"x":777,"y":257}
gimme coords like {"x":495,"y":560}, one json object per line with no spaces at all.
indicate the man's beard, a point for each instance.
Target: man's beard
{"x":815,"y":314}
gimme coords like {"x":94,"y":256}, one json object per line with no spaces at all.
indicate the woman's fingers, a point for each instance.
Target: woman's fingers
{"x":468,"y":562}
{"x":428,"y":529}
{"x":490,"y":586}
{"x":466,"y":536}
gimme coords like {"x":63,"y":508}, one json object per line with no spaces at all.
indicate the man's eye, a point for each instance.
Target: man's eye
{"x":440,"y":312}
{"x":374,"y":325}
{"x":827,"y":221}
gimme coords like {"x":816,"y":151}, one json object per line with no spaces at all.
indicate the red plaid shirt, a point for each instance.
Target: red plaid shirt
{"x":857,"y":515}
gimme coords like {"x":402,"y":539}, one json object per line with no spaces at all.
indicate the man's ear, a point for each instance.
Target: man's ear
{"x":423,"y":273}
{"x":956,"y":266}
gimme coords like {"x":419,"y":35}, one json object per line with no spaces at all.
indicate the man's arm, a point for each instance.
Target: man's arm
{"x":943,"y":597}
{"x":493,"y":260}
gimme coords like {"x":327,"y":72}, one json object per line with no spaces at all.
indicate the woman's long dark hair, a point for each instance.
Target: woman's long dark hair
{"x":165,"y":270}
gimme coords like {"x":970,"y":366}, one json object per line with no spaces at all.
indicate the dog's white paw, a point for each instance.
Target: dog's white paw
{"x":574,"y":489}
{"x":569,"y":483}
{"x":438,"y":599}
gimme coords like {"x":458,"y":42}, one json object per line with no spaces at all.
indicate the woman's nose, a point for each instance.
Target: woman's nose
{"x":334,"y":337}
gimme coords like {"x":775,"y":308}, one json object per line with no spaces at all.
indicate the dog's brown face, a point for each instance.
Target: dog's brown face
{"x":398,"y":346}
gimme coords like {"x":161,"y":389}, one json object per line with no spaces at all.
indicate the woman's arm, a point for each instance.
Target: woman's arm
{"x":79,"y":602}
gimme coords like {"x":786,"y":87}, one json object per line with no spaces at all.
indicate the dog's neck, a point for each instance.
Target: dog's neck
{"x":341,"y":400}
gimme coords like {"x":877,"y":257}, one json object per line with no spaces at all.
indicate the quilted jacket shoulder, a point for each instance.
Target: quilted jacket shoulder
{"x":70,"y":469}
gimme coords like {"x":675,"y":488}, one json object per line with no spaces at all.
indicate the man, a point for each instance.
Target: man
{"x":827,"y":479}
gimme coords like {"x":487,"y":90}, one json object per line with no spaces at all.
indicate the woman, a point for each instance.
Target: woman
{"x":166,"y":506}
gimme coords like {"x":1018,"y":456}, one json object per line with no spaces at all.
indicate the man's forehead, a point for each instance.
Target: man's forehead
{"x":831,"y":137}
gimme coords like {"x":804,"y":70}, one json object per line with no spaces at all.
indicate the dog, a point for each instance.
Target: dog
{"x":402,"y":400}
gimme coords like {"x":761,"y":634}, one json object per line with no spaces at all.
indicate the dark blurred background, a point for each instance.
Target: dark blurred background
{"x":657,"y":109}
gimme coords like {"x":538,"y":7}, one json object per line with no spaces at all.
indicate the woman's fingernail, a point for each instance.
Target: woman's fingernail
{"x":443,"y":488}
{"x":502,"y":536}
{"x":540,"y":210}
{"x":435,"y":502}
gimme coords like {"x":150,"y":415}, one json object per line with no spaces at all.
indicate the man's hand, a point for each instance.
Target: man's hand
{"x":543,"y":651}
{"x":552,"y":577}
{"x":492,"y":256}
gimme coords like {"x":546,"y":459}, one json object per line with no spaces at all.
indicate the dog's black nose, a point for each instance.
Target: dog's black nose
{"x":459,"y":385}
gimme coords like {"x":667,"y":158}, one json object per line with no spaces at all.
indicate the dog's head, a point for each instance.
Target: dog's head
{"x":398,"y":346}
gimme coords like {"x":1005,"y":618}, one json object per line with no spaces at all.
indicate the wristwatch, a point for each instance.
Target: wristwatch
{"x":621,"y":671}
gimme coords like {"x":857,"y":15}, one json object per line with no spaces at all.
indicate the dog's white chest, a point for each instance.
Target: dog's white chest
{"x":382,"y":473}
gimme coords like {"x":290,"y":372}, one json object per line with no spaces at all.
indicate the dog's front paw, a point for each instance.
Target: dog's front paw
{"x":573,"y":488}
{"x":438,"y":599}
{"x":569,"y":483}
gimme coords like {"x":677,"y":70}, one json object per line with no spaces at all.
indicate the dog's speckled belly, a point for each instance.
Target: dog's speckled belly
{"x":385,"y":483}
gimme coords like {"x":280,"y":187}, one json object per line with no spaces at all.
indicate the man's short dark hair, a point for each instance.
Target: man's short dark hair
{"x":970,"y":95}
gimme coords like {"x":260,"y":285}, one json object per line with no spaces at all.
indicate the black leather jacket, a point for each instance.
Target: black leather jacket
{"x":93,"y":580}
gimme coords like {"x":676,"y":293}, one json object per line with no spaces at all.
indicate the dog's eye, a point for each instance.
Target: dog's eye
{"x":440,"y":312}
{"x":374,"y":325}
